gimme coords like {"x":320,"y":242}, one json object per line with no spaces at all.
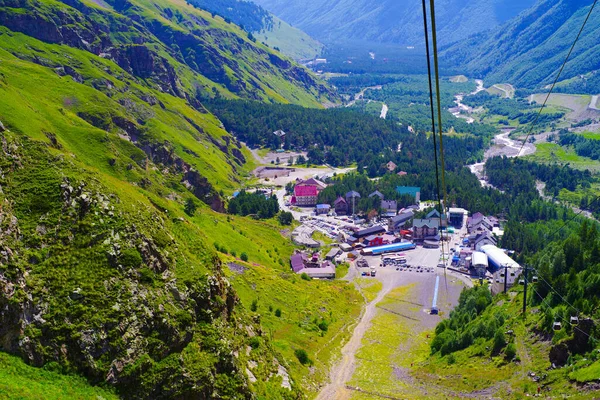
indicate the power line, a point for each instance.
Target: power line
{"x":437,"y":175}
{"x":557,"y":76}
{"x":438,"y":98}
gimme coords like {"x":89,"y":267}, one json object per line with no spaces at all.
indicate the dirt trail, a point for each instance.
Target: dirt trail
{"x":343,"y":370}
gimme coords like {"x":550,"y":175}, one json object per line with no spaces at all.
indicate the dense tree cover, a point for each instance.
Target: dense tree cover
{"x":583,"y":84}
{"x":408,"y":102}
{"x":354,"y":83}
{"x":463,"y":327}
{"x":518,"y":176}
{"x":340,"y":136}
{"x":569,"y":274}
{"x":390,"y":59}
{"x":415,"y":89}
{"x":246,"y":14}
{"x":583,"y":147}
{"x":254,"y":203}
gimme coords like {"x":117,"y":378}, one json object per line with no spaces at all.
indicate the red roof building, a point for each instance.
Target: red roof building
{"x":305,"y":195}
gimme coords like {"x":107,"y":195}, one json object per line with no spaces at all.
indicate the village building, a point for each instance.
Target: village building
{"x":373,"y":240}
{"x":410,"y":190}
{"x":402,"y":173}
{"x":312,"y":266}
{"x":305,"y":196}
{"x":399,"y":221}
{"x":374,"y":230}
{"x":483,"y":239}
{"x":426,"y":229}
{"x":389,"y":207}
{"x":323,"y":209}
{"x":333,"y":253}
{"x":376,"y":193}
{"x":391,"y":166}
{"x":279,"y":133}
{"x":456,"y":217}
{"x":341,"y":206}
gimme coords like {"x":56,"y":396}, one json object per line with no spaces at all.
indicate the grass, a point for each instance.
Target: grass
{"x":576,"y":103}
{"x":21,"y":381}
{"x":146,"y":194}
{"x":369,"y":287}
{"x":591,"y":135}
{"x":551,"y":153}
{"x":291,"y":41}
{"x":586,"y":374}
{"x":303,"y":305}
{"x":342,"y":270}
{"x":389,"y":349}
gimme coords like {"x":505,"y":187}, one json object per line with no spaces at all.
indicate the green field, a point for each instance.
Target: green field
{"x":21,"y":381}
{"x":551,"y":153}
{"x":576,"y":103}
{"x":591,"y":135}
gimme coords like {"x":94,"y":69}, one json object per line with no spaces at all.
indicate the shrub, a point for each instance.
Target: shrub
{"x":305,"y":276}
{"x":511,"y":351}
{"x":302,"y":356}
{"x":254,"y":305}
{"x":451,"y":359}
{"x":130,"y":258}
{"x":254,"y":342}
{"x":233,"y":253}
{"x":323,"y":325}
{"x":244,"y":257}
{"x":190,"y":207}
{"x":285,"y":218}
{"x":278,"y":313}
{"x":499,"y":339}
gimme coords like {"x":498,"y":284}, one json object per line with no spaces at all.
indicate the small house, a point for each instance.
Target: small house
{"x":341,"y":206}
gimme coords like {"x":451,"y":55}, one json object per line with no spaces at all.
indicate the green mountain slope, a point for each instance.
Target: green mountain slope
{"x":391,"y":21}
{"x":264,"y":26}
{"x":103,"y":140}
{"x":529,"y":50}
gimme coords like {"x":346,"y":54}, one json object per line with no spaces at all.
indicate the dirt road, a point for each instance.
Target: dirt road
{"x":342,"y":372}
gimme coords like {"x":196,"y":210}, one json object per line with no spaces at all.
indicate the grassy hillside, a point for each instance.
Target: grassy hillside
{"x":291,"y":41}
{"x":104,"y":143}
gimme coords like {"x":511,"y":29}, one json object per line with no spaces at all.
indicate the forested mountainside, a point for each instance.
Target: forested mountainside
{"x":264,"y":25}
{"x":529,"y":50}
{"x":104,"y":139}
{"x":391,"y":21}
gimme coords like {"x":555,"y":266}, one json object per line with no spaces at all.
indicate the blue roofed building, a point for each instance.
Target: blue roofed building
{"x":410,"y":190}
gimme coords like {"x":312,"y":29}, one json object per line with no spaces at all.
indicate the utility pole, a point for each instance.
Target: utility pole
{"x":505,"y":277}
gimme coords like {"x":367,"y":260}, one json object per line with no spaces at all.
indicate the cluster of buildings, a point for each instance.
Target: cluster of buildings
{"x":313,"y":266}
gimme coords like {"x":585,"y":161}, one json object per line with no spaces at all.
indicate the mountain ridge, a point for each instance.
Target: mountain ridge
{"x":389,"y":22}
{"x":529,"y":50}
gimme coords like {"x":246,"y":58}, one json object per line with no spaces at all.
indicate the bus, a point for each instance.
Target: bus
{"x":393,"y":259}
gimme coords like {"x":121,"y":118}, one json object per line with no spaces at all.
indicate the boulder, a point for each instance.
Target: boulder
{"x":2,"y":128}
